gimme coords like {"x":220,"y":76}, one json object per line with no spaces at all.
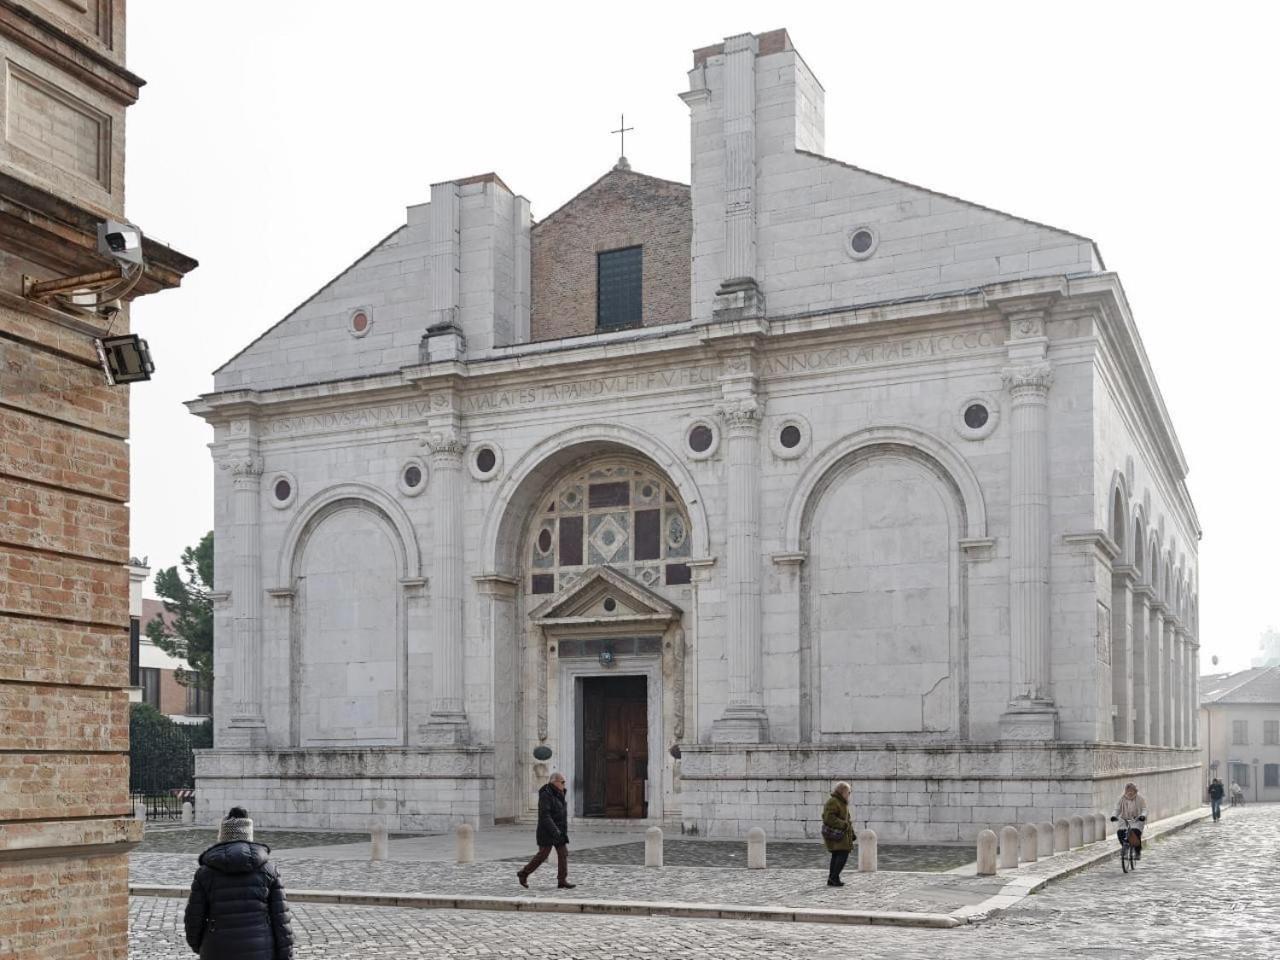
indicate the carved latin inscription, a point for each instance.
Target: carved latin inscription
{"x":57,"y":128}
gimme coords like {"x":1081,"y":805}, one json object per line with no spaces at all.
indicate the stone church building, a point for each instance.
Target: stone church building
{"x":705,"y":495}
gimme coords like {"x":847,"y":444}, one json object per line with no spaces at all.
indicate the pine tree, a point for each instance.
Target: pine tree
{"x":189,"y":634}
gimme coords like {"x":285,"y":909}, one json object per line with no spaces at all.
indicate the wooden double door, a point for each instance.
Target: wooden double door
{"x":615,"y":746}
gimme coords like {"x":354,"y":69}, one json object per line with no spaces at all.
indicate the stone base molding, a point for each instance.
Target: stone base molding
{"x":929,"y":794}
{"x":406,"y":789}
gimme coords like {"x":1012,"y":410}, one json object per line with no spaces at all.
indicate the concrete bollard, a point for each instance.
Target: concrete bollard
{"x":653,"y":847}
{"x":1061,"y":835}
{"x":188,"y":813}
{"x":1044,"y":833}
{"x":1089,"y":828}
{"x":868,"y":852}
{"x":465,"y":842}
{"x":1008,"y":847}
{"x":1030,"y":843}
{"x":986,"y":854}
{"x":1102,"y":825}
{"x":378,"y":836}
{"x":755,"y":849}
{"x":1076,"y":835}
{"x":140,"y":810}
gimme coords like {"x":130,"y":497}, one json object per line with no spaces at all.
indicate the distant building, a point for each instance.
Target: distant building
{"x":1240,"y":730}
{"x":153,"y":673}
{"x":1269,"y":644}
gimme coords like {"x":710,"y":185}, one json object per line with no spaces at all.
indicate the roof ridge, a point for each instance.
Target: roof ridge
{"x":949,"y":196}
{"x":1257,"y":674}
{"x":600,"y":179}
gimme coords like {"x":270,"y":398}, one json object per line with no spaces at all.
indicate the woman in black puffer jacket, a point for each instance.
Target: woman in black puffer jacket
{"x":237,"y":909}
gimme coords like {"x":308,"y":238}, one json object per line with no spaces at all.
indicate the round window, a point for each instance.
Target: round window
{"x":610,"y":604}
{"x":700,"y":438}
{"x":486,"y":460}
{"x":861,"y":241}
{"x":283,"y":489}
{"x":360,"y":322}
{"x":412,"y":475}
{"x":544,"y":541}
{"x":790,"y":436}
{"x":976,"y":416}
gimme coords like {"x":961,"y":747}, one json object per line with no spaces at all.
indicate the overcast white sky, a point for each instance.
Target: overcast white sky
{"x":275,"y":142}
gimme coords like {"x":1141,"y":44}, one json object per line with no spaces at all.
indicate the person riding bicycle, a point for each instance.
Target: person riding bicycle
{"x":1237,"y":794}
{"x":1216,"y":793}
{"x":1132,"y":808}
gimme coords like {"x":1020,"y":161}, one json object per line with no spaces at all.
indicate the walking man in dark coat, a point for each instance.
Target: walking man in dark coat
{"x":237,"y":909}
{"x":553,"y":831}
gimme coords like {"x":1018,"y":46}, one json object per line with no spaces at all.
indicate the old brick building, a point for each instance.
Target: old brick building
{"x":64,"y":485}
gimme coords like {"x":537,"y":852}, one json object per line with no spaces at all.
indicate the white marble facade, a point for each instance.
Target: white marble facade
{"x":899,"y":503}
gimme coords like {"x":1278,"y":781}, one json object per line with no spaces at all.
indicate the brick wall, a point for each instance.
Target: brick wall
{"x":65,"y":823}
{"x":621,"y":209}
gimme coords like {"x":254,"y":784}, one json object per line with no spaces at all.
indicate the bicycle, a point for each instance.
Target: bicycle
{"x":1129,"y":852}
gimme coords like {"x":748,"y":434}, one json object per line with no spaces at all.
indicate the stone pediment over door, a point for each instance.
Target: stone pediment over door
{"x":602,"y":596}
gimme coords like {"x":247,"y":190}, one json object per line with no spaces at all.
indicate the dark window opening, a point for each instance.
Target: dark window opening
{"x":412,"y":476}
{"x":619,"y":288}
{"x":283,"y":489}
{"x":571,"y":541}
{"x":678,"y":573}
{"x":790,"y":436}
{"x":543,"y":583}
{"x":149,"y":680}
{"x":648,"y":534}
{"x":199,"y":701}
{"x":975,"y":416}
{"x":486,"y":459}
{"x":1271,"y":775}
{"x":135,"y":638}
{"x":700,"y":438}
{"x":609,"y":494}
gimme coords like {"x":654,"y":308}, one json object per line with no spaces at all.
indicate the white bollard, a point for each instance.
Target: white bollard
{"x":986,"y":854}
{"x":188,"y":813}
{"x":378,"y":836}
{"x":1076,"y":835}
{"x":466,"y":843}
{"x":1045,"y":836}
{"x":653,"y":847}
{"x":1008,"y":847}
{"x":1029,"y":845}
{"x":868,"y":852}
{"x":1061,"y":835}
{"x":140,"y":810}
{"x":755,"y":849}
{"x":1089,"y":828}
{"x":1102,"y":825}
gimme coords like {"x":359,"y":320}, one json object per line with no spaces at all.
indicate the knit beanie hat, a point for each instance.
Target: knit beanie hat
{"x":236,"y":826}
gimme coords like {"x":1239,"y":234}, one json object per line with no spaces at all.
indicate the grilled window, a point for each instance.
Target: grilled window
{"x":618,"y":288}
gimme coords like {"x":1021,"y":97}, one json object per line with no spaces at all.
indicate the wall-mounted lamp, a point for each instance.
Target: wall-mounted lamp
{"x":125,"y":359}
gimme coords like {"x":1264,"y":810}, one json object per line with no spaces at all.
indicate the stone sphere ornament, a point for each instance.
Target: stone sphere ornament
{"x":542,"y":753}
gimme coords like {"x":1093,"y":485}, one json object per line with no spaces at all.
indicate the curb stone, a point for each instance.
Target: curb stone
{"x":637,"y":908}
{"x":1019,"y":888}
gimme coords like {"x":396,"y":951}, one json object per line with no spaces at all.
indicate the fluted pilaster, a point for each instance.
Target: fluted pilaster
{"x":1122,"y":653}
{"x":744,"y":719}
{"x":1141,"y":665}
{"x":247,"y":725}
{"x":448,"y":721}
{"x":1158,"y":687}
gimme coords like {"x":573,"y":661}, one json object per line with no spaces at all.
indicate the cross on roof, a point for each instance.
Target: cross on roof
{"x":622,"y":131}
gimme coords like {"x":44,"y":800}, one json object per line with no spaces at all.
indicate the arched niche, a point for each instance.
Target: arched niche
{"x":883,"y":630}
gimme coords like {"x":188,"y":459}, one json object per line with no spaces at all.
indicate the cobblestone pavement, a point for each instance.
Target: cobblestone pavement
{"x":920,"y":893}
{"x":785,"y":855}
{"x":171,"y":839}
{"x":1208,"y":890}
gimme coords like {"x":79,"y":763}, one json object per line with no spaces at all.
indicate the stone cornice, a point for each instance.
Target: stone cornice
{"x":82,"y":60}
{"x":1100,"y":540}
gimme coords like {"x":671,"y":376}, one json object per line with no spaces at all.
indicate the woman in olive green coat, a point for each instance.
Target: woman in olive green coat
{"x":837,"y":831}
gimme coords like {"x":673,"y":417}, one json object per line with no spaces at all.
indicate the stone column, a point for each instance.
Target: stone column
{"x":1141,"y":665}
{"x":1156,"y":690}
{"x":1169,"y":679}
{"x":448,"y":721}
{"x":1122,"y":651}
{"x":1031,"y":713}
{"x":246,"y":728}
{"x":1178,"y":686}
{"x":1195,"y":692}
{"x":744,"y":719}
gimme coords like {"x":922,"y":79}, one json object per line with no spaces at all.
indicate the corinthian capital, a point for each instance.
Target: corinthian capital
{"x":248,"y":467}
{"x":1031,"y":378}
{"x":448,"y":442}
{"x":741,"y":414}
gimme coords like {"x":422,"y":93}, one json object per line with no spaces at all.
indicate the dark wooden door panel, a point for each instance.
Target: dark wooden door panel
{"x":615,"y":743}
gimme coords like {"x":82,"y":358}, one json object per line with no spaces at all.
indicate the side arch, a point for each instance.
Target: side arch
{"x":503,"y":523}
{"x":335,"y":497}
{"x":945,"y":458}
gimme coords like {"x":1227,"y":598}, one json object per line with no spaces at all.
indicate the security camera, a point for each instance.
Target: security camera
{"x":120,"y":241}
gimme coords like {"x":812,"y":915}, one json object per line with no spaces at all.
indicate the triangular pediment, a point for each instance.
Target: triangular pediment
{"x":605,"y":595}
